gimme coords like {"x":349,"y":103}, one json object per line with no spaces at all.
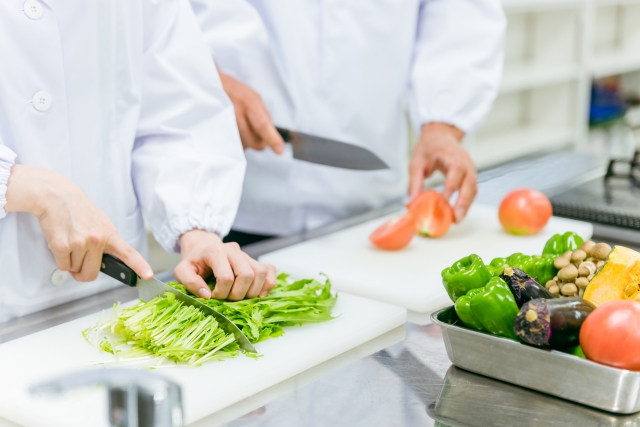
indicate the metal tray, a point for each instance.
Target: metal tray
{"x":471,"y":400}
{"x":548,"y":371}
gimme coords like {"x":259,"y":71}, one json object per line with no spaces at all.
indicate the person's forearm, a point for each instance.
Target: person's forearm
{"x":29,"y":188}
{"x":443,"y":127}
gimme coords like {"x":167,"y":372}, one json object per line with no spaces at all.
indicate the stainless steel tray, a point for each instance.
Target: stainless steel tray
{"x":470,"y":400}
{"x":548,"y":371}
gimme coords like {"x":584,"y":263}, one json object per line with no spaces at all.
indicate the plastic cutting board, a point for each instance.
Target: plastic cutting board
{"x":410,"y":277}
{"x":205,"y":390}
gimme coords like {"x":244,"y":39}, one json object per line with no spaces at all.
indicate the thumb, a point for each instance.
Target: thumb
{"x":132,"y":258}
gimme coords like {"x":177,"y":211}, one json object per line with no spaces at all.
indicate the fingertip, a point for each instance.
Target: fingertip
{"x":204,"y":293}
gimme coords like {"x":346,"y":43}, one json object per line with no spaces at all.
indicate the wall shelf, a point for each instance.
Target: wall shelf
{"x":522,"y":76}
{"x":554,"y":48}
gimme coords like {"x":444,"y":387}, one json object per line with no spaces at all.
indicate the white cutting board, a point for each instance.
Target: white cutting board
{"x":205,"y":390}
{"x":410,"y":277}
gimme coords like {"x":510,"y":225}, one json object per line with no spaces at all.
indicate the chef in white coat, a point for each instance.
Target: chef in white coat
{"x":350,"y":71}
{"x":109,"y":109}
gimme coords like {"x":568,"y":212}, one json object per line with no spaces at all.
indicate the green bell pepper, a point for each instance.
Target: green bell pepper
{"x":561,"y":243}
{"x":540,"y":268}
{"x":491,"y":308}
{"x":464,"y":275}
{"x":463,"y":309}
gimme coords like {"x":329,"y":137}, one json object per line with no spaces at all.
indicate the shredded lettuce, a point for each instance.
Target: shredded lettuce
{"x":165,"y":327}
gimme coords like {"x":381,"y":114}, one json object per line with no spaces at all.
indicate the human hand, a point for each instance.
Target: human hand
{"x":254,"y":122}
{"x":439,"y":149}
{"x":237,"y":274}
{"x":77,"y":231}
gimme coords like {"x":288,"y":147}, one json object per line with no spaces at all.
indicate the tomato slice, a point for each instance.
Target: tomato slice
{"x":394,"y":234}
{"x":432,"y":213}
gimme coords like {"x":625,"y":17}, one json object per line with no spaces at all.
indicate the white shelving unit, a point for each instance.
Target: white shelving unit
{"x":554,"y":49}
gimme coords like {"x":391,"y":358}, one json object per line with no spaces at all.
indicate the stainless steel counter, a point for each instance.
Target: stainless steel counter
{"x":410,"y":383}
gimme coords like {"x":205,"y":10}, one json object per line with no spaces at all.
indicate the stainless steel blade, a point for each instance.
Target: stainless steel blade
{"x":325,"y":151}
{"x":149,"y":289}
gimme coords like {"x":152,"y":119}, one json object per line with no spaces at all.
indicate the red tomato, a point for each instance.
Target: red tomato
{"x":432,"y":213}
{"x":394,"y":234}
{"x":524,"y":212}
{"x":611,"y":335}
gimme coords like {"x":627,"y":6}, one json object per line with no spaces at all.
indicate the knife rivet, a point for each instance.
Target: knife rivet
{"x":123,"y":276}
{"x":103,"y":266}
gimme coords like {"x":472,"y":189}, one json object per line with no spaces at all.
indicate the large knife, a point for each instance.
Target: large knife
{"x":149,"y":289}
{"x":325,"y":151}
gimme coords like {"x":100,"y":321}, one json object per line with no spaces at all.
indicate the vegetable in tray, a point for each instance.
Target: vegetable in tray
{"x":552,"y":322}
{"x":490,"y":308}
{"x":465,"y":274}
{"x":165,"y":327}
{"x":523,"y":287}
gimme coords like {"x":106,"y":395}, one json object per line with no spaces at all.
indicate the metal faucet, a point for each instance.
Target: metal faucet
{"x":136,"y":398}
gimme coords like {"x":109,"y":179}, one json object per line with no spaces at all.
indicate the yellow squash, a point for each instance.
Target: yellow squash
{"x":619,"y":278}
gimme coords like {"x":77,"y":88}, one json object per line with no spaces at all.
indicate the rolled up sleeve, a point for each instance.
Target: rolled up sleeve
{"x":188,"y":164}
{"x":458,"y":62}
{"x":7,"y":159}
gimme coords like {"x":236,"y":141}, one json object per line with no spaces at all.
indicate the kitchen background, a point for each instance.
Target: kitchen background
{"x":571,"y":81}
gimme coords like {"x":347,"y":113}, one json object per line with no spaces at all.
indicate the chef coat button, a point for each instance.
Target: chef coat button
{"x":59,"y":277}
{"x":41,"y":101}
{"x":33,"y":9}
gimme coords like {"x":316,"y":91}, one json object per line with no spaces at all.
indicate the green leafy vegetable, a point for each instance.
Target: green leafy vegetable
{"x":166,"y":327}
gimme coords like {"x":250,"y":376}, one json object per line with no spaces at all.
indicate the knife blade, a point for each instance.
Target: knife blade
{"x":149,"y":289}
{"x":329,"y":152}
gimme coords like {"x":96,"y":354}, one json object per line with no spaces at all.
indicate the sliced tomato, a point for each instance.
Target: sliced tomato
{"x":394,"y":234}
{"x":432,"y":213}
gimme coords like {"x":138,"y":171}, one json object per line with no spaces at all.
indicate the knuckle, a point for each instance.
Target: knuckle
{"x":59,"y":246}
{"x":246,"y":275}
{"x":233,"y":246}
{"x":95,"y":239}
{"x":261,"y":270}
{"x":224,"y":279}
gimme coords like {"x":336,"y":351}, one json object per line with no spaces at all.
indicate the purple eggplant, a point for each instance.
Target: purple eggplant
{"x":552,"y":323}
{"x":523,"y":287}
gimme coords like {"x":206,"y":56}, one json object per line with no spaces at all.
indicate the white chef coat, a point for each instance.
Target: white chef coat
{"x":122,"y":97}
{"x":350,"y":70}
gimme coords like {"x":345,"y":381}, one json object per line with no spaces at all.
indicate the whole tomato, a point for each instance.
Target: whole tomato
{"x":432,"y":212}
{"x":524,"y":212}
{"x":394,"y":234}
{"x":611,"y":335}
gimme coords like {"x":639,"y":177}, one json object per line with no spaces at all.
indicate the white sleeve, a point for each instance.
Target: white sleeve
{"x":7,"y":159}
{"x":240,"y":45}
{"x":234,"y":33}
{"x":188,"y":163}
{"x":458,"y":62}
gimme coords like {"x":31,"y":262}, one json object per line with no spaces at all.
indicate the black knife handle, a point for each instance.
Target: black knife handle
{"x":113,"y":267}
{"x":285,"y":134}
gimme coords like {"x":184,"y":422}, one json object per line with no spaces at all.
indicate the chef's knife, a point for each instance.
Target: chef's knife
{"x":325,"y":151}
{"x":149,"y":289}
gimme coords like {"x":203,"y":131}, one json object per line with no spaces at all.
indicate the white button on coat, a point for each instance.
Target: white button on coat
{"x":59,"y":277}
{"x":33,"y":9}
{"x":140,"y":123}
{"x":41,"y":101}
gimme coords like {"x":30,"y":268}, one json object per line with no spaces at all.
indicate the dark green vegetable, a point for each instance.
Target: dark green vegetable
{"x":523,"y":287}
{"x":490,"y":308}
{"x":552,"y":323}
{"x":540,"y":268}
{"x":465,"y":274}
{"x":561,"y":243}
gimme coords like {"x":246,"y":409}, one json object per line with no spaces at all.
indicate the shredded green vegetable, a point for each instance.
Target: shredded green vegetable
{"x":165,"y":327}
